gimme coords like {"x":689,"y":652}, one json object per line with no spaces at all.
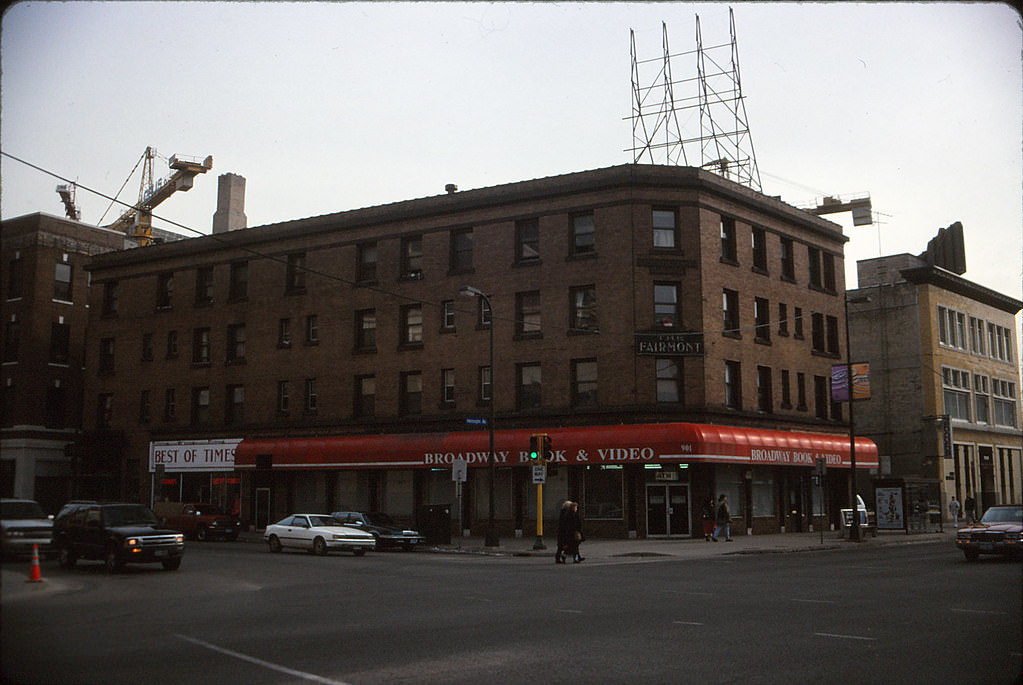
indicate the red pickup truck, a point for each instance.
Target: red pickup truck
{"x":198,"y":520}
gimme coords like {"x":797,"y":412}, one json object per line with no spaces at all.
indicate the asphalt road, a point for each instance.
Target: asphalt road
{"x":235,"y":613}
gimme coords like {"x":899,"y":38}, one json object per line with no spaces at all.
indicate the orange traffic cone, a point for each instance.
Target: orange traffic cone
{"x":34,"y":575}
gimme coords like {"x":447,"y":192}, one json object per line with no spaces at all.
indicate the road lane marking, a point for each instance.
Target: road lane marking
{"x":980,"y":611}
{"x":687,"y":623}
{"x":814,"y":601}
{"x":570,"y":611}
{"x":847,"y":637}
{"x":265,"y":664}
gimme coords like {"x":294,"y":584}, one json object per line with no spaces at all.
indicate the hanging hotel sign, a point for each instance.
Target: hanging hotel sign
{"x":669,"y":344}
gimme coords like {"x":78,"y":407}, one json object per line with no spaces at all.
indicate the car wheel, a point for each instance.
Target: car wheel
{"x":231,"y":537}
{"x":112,"y":562}
{"x":407,"y":547}
{"x":971,"y":554}
{"x":319,"y":547}
{"x":67,"y":558}
{"x":360,"y":552}
{"x":274,"y":543}
{"x":200,"y":534}
{"x":172,"y":564}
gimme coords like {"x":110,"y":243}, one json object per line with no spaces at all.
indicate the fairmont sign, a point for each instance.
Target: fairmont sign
{"x":669,"y":344}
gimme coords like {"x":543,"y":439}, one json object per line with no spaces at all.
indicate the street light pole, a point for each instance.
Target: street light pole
{"x":854,"y":525}
{"x":490,"y":537}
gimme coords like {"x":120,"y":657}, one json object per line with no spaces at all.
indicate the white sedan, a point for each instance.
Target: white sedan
{"x":317,"y":533}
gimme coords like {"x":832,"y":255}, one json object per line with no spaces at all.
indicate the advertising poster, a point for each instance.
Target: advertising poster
{"x":890,"y":515}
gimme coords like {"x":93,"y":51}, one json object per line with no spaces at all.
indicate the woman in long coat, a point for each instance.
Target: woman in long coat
{"x":570,"y":533}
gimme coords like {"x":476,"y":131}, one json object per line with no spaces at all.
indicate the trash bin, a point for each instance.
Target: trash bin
{"x":434,"y":522}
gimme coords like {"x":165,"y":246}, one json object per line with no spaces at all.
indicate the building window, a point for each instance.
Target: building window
{"x":666,"y":310}
{"x":484,"y":317}
{"x":976,"y":335}
{"x":164,"y":290}
{"x":311,"y":400}
{"x":366,"y":266}
{"x":733,"y":385}
{"x":412,"y":325}
{"x":762,"y":319}
{"x":60,"y":342}
{"x":831,"y":331}
{"x":145,"y":409}
{"x":110,"y":295}
{"x":283,"y":397}
{"x":786,"y":390}
{"x":583,"y":234}
{"x":147,"y":347}
{"x":798,"y":320}
{"x":820,"y":396}
{"x":294,"y":278}
{"x":1000,"y":342}
{"x":485,"y":385}
{"x":584,"y":382}
{"x":447,"y":316}
{"x":204,"y":286}
{"x":366,"y":330}
{"x":201,"y":346}
{"x":170,"y":406}
{"x":783,"y":319}
{"x":105,"y":410}
{"x":730,"y":309}
{"x":172,"y":344}
{"x":665,"y":228}
{"x":527,"y":240}
{"x":106,"y":356}
{"x":15,"y":277}
{"x":527,"y":314}
{"x":759,"y":249}
{"x":200,"y":406}
{"x":234,"y":409}
{"x":62,"y":282}
{"x":828,"y":269}
{"x":312,"y":330}
{"x":817,"y":336}
{"x":583,"y":314}
{"x":956,"y":390}
{"x":284,"y":333}
{"x":1004,"y":395}
{"x":461,"y":251}
{"x":836,"y":407}
{"x":729,"y":244}
{"x":365,"y":396}
{"x":238,"y":288}
{"x":981,"y":401}
{"x":447,"y":384}
{"x":669,"y":379}
{"x":788,"y":261}
{"x":411,"y":393}
{"x":814,"y":258}
{"x":12,"y":339}
{"x":57,"y":410}
{"x":528,"y":395}
{"x":412,"y":257}
{"x":236,"y":343}
{"x":801,"y":391}
{"x":765,"y":391}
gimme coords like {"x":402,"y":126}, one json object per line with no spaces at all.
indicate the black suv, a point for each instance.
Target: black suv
{"x":116,"y":534}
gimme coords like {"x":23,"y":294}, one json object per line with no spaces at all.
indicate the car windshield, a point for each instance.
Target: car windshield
{"x":207,"y":510}
{"x":323,"y":521}
{"x":22,"y":510}
{"x":379,"y":519}
{"x":1003,"y":515}
{"x":127,"y":515}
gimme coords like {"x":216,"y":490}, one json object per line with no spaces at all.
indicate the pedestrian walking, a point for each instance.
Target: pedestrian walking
{"x":970,"y":509}
{"x":724,"y":520}
{"x":953,"y":511}
{"x":570,"y":533}
{"x":707,"y":516}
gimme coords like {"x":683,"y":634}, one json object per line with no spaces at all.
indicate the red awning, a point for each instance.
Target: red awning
{"x":653,"y":443}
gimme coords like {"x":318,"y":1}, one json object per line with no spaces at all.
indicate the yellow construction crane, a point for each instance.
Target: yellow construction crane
{"x":138,"y":220}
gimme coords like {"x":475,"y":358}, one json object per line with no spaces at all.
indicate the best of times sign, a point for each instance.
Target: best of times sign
{"x":196,"y":455}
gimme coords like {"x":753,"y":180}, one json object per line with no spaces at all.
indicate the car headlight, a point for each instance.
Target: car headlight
{"x":180,"y":539}
{"x":962,"y":536}
{"x":1013,"y":537}
{"x":131,"y":542}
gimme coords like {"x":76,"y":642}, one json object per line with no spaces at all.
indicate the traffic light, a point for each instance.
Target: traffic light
{"x":536,"y":447}
{"x":546,"y":451}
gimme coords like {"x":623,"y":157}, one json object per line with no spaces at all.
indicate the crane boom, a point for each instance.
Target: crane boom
{"x":137,"y":221}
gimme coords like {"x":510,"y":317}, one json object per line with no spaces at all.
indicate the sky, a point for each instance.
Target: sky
{"x":330,"y":106}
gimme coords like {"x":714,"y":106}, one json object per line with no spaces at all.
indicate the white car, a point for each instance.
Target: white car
{"x":317,"y":533}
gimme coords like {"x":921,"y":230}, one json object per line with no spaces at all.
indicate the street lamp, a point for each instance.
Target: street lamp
{"x":490,"y":538}
{"x":854,"y":525}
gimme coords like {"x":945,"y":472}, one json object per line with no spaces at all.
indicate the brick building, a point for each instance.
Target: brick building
{"x":671,"y":330}
{"x":45,"y":314}
{"x":944,"y":366}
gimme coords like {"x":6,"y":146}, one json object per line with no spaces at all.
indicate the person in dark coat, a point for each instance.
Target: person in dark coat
{"x":570,"y":533}
{"x":707,"y":516}
{"x":724,"y":520}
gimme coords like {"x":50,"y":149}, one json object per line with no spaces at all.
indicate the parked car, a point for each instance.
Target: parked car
{"x":23,"y":524}
{"x":116,"y":534}
{"x":382,"y":527}
{"x":999,"y":531}
{"x":198,"y":520}
{"x":317,"y":533}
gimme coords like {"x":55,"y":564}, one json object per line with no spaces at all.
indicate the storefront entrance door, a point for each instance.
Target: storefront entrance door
{"x":667,"y":510}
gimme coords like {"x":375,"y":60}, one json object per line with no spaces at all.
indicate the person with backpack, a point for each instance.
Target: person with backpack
{"x":724,"y":519}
